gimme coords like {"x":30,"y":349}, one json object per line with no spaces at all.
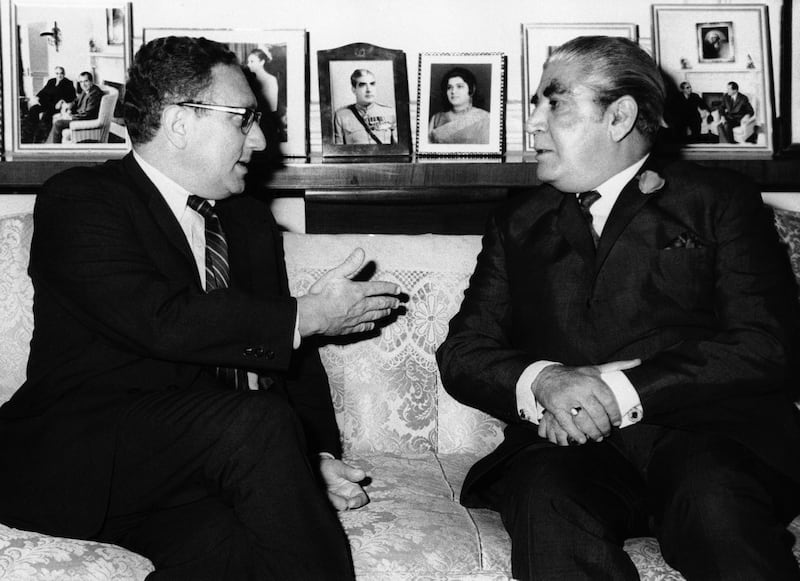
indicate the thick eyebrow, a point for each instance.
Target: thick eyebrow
{"x":555,"y":87}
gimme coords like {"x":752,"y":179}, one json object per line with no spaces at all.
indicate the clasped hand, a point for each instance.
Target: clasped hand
{"x":337,"y":305}
{"x":579,"y":405}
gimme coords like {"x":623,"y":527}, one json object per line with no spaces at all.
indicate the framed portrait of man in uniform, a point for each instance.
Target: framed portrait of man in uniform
{"x":363,"y":102}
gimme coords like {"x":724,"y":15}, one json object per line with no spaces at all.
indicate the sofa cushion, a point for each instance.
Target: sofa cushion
{"x":25,"y":556}
{"x":387,"y":391}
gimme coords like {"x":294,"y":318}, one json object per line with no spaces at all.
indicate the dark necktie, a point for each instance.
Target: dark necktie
{"x":217,"y":274}
{"x":586,"y":199}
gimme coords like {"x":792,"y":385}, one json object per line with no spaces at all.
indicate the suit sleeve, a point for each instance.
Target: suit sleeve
{"x":745,"y":356}
{"x":478,"y":364}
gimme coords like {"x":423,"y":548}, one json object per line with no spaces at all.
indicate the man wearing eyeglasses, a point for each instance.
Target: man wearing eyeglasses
{"x":157,"y":287}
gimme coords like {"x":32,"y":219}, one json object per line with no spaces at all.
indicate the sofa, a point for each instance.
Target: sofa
{"x":415,"y":442}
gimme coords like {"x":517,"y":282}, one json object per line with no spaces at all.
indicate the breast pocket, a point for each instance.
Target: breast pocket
{"x":684,"y":276}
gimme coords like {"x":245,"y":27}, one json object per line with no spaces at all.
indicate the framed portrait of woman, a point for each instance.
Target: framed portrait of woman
{"x":276,"y":64}
{"x":461,"y":104}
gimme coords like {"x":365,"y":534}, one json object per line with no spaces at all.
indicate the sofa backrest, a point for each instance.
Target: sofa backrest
{"x":16,"y":300}
{"x":386,"y":388}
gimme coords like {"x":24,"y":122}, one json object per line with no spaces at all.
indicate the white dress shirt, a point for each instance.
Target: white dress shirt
{"x":627,"y":397}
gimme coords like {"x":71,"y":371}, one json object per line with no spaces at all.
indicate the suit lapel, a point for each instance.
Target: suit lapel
{"x":628,"y":204}
{"x":158,"y":208}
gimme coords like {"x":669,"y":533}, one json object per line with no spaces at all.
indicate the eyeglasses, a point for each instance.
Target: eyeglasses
{"x":249,"y":116}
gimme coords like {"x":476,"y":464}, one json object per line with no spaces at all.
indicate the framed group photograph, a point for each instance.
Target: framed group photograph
{"x":539,"y":40}
{"x":717,"y":63}
{"x":277,"y":63}
{"x":461,"y":104}
{"x":64,"y":67}
{"x":363,"y":94}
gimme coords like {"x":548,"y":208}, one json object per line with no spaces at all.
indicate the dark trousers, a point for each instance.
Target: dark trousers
{"x":59,"y":125}
{"x":716,"y":510}
{"x":216,"y":485}
{"x":36,"y":124}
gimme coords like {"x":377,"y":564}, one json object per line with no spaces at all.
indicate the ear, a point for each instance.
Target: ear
{"x":622,"y":115}
{"x":175,"y":125}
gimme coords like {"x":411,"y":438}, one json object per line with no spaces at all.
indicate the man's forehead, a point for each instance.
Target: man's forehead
{"x":229,"y":87}
{"x":365,"y":80}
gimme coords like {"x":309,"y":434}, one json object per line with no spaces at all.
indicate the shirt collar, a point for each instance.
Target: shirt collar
{"x":173,"y":193}
{"x":610,"y":189}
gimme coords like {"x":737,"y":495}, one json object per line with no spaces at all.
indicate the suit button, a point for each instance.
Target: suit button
{"x":270,"y":354}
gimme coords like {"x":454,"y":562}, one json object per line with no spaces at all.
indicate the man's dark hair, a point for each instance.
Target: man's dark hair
{"x":88,"y":75}
{"x":614,"y":67}
{"x":357,"y":74}
{"x":734,"y":85}
{"x":167,"y":71}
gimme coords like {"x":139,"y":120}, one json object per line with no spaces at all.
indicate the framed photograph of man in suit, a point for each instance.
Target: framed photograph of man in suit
{"x":538,"y":41}
{"x":461,"y":104}
{"x":363,"y":96}
{"x":62,"y":78}
{"x":705,"y":50}
{"x":276,"y":63}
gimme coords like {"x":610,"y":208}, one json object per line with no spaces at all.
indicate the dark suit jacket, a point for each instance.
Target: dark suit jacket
{"x":52,"y":93}
{"x":87,"y":104}
{"x":119,"y":311}
{"x":713,"y":320}
{"x":734,"y":110}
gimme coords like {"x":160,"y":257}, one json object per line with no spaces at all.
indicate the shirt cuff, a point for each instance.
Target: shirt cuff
{"x":297,"y":338}
{"x":528,"y":408}
{"x":630,"y":406}
{"x":328,"y":455}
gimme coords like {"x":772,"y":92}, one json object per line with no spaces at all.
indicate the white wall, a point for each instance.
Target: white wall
{"x":412,"y":25}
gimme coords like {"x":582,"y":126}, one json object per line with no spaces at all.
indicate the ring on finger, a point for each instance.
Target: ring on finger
{"x":575,"y":410}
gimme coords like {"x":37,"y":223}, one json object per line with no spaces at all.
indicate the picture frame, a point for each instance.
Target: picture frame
{"x":364,"y":107}
{"x":715,"y":42}
{"x":115,"y":26}
{"x":461,"y":104}
{"x":539,"y":39}
{"x":790,"y":82}
{"x":278,"y":59}
{"x":742,"y":124}
{"x":45,"y":39}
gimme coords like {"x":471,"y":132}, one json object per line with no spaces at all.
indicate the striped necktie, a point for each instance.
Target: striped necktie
{"x":586,"y":199}
{"x":217,"y":274}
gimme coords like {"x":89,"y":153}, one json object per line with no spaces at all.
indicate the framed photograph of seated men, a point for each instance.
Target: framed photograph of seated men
{"x":363,"y":97}
{"x":461,"y":104}
{"x":717,"y":63}
{"x":538,"y":42}
{"x":276,"y":64}
{"x":62,"y":76}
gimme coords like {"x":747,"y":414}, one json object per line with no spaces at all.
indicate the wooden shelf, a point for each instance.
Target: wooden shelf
{"x":441,"y":178}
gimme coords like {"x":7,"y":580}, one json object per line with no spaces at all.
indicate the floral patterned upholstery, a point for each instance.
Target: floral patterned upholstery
{"x":415,"y":442}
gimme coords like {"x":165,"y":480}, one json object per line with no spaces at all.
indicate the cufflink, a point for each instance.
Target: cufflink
{"x":522,"y":414}
{"x":634,"y":414}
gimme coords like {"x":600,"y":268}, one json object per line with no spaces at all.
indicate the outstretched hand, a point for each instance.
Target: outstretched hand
{"x":341,"y":482}
{"x":581,"y":405}
{"x":337,"y":305}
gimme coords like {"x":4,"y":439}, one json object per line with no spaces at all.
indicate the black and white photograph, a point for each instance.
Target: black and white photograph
{"x":363,"y":101}
{"x":276,"y":62}
{"x":65,"y":72}
{"x":461,"y":104}
{"x":718,"y":67}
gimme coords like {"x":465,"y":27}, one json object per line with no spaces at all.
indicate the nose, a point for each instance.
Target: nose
{"x":536,"y":122}
{"x":255,"y":138}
